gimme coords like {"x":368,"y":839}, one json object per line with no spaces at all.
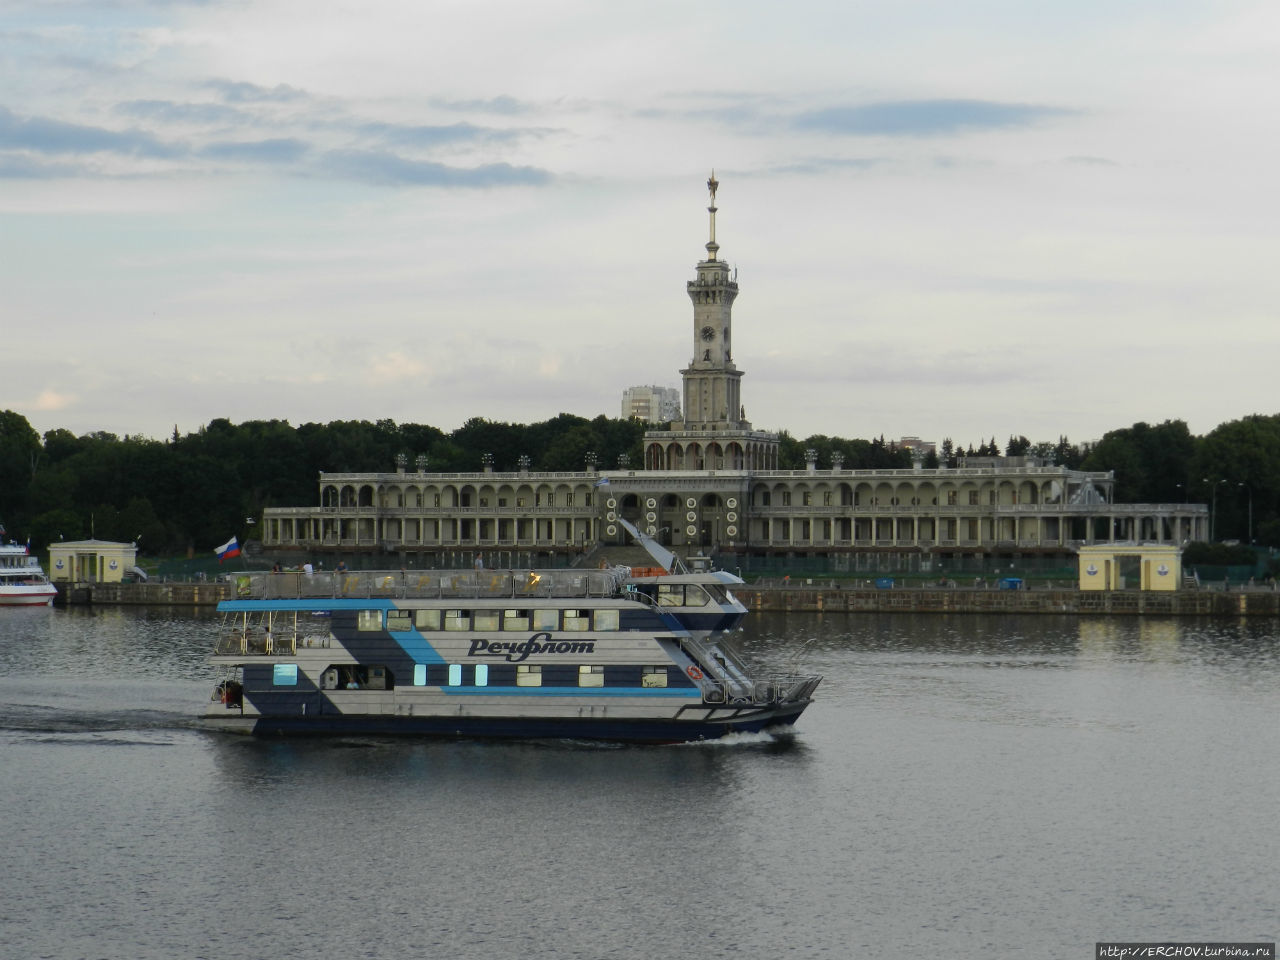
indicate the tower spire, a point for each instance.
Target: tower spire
{"x":712,"y":247}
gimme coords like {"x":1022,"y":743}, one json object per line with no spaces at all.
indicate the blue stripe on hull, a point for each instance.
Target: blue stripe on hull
{"x":510,"y":728}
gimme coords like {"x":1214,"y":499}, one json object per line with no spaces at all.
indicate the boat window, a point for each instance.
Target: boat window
{"x":285,"y":674}
{"x":528,"y":676}
{"x":591,"y":676}
{"x":482,"y":674}
{"x":457,"y":619}
{"x":546,"y":619}
{"x":515,"y":620}
{"x":455,"y":674}
{"x":398,"y":621}
{"x":695,"y":596}
{"x":351,"y":676}
{"x":653,"y":676}
{"x":717,"y":593}
{"x":419,"y":674}
{"x":670,"y":595}
{"x":606,"y":619}
{"x":427,"y":619}
{"x":577,"y":620}
{"x":485,"y":619}
{"x":369,"y":620}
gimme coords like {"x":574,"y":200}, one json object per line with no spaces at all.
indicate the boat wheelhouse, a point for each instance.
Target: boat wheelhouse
{"x":611,"y":654}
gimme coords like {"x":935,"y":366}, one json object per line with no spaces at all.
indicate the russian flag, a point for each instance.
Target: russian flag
{"x":228,"y":550}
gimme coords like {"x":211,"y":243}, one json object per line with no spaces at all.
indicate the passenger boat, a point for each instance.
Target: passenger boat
{"x":610,"y":654}
{"x":22,"y":581}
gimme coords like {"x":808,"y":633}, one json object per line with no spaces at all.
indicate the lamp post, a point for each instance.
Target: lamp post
{"x":1213,"y":505}
{"x":1249,"y":529}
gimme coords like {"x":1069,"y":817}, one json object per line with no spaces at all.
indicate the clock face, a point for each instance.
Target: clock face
{"x":708,"y":334}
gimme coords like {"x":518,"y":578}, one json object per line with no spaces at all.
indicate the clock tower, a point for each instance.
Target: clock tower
{"x":712,"y":384}
{"x":714,"y":434}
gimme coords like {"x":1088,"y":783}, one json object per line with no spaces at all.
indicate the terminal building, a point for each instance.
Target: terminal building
{"x":710,"y":484}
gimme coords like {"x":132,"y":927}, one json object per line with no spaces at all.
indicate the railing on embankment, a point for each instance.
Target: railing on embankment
{"x":198,"y":594}
{"x":1180,"y":603}
{"x":824,"y":598}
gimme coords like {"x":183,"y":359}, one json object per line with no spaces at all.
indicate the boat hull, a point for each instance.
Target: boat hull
{"x":27,"y":598}
{"x":696,"y":725}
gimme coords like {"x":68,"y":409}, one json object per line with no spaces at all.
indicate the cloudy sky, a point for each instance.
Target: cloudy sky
{"x":949,"y":219}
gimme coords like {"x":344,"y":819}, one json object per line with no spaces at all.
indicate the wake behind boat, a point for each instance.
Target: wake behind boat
{"x":22,"y":580}
{"x":612,"y":654}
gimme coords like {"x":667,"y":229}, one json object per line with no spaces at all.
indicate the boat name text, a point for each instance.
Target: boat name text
{"x":515,"y":651}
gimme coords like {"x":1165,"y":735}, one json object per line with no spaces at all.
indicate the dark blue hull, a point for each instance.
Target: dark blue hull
{"x":513,"y":728}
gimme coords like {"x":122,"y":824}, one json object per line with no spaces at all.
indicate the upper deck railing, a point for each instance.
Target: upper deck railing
{"x":430,"y":584}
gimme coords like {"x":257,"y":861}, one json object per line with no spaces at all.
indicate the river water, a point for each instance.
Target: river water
{"x":967,"y":787}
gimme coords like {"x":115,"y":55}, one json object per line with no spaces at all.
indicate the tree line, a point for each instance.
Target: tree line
{"x":190,"y":492}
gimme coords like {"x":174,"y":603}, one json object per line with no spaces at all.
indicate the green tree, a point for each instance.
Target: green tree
{"x":19,"y":451}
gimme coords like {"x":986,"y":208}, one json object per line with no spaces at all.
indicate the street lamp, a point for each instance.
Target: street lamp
{"x":1213,"y":505}
{"x":1249,"y":530}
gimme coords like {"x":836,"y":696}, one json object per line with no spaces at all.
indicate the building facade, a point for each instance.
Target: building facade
{"x":710,"y":483}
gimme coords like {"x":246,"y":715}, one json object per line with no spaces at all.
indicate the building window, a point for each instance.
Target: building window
{"x":765,"y":498}
{"x":568,"y":499}
{"x":528,"y":676}
{"x":591,"y":676}
{"x":951,"y":498}
{"x":807,"y":499}
{"x":973,"y":498}
{"x":786,"y":498}
{"x":826,"y":498}
{"x":653,"y":676}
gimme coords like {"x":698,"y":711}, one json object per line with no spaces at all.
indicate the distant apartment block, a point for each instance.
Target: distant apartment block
{"x":651,"y":404}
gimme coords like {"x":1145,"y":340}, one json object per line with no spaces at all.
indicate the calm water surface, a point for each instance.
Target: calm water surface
{"x":967,"y":787}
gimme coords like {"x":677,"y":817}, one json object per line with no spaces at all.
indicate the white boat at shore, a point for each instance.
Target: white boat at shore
{"x":22,"y":580}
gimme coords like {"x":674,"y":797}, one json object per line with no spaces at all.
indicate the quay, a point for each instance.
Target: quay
{"x":824,"y":596}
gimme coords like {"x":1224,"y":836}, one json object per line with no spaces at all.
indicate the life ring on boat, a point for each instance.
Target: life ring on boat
{"x":694,"y":673}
